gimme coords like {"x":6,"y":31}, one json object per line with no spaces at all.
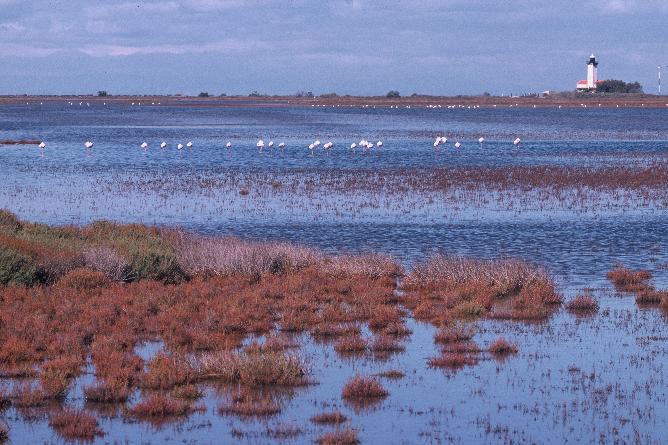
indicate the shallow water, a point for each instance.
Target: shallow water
{"x":614,"y":390}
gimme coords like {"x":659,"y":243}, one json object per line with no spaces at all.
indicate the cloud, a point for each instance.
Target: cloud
{"x":11,"y":27}
{"x":228,"y":46}
{"x":19,"y":50}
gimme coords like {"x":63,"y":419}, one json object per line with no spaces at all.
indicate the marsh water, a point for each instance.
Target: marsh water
{"x":595,"y":379}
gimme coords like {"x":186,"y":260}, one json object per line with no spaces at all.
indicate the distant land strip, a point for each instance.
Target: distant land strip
{"x":565,"y":100}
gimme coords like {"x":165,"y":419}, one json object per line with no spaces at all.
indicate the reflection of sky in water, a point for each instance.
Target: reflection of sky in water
{"x":531,"y":397}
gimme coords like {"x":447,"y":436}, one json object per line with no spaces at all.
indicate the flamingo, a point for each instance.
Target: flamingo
{"x":144,"y":145}
{"x":517,"y":142}
{"x":271,"y":144}
{"x":179,"y":146}
{"x":189,"y":144}
{"x":353,"y":146}
{"x":379,"y":144}
{"x":88,"y":144}
{"x":228,"y":145}
{"x":163,"y":144}
{"x":481,"y":140}
{"x":42,"y":145}
{"x":260,"y":144}
{"x":457,"y":145}
{"x":328,"y":145}
{"x":281,"y":145}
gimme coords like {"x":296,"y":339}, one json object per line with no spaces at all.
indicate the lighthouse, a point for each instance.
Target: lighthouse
{"x":592,"y":75}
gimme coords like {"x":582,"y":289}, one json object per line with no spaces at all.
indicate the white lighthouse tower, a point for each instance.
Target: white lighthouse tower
{"x":592,"y":75}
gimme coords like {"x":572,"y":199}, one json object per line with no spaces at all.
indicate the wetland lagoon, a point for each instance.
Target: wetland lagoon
{"x":407,"y":293}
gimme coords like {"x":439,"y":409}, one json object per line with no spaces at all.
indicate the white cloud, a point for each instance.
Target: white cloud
{"x":228,"y":46}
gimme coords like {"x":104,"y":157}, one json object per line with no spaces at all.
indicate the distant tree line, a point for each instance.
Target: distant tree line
{"x":618,"y":86}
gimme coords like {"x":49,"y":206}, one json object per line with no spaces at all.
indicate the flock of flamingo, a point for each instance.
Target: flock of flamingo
{"x":363,"y":144}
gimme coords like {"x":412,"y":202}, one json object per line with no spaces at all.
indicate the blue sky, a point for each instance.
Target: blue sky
{"x":345,"y":46}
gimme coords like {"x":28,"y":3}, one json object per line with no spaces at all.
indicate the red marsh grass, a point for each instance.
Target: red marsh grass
{"x":165,"y":372}
{"x":268,"y":369}
{"x":453,"y":361}
{"x":502,"y":347}
{"x":393,"y":374}
{"x":651,"y":296}
{"x":386,"y":344}
{"x":627,"y":280}
{"x":108,"y":392}
{"x":452,"y":334}
{"x":444,"y":288}
{"x":582,"y":304}
{"x":331,"y":418}
{"x":74,"y":424}
{"x":26,"y":395}
{"x":158,"y":407}
{"x":345,"y":436}
{"x":352,"y":344}
{"x":247,"y":403}
{"x":361,"y":389}
{"x":4,"y":432}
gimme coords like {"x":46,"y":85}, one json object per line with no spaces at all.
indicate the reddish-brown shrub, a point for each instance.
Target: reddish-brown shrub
{"x":16,"y":350}
{"x":626,"y":280}
{"x":456,"y":333}
{"x":166,"y":372}
{"x":345,"y":436}
{"x":157,"y":406}
{"x":332,"y":417}
{"x":452,"y":360}
{"x":350,"y":344}
{"x":502,"y":347}
{"x":25,"y":395}
{"x":74,"y":424}
{"x":386,"y":343}
{"x":113,"y":391}
{"x":188,"y":392}
{"x":650,"y":295}
{"x":269,"y":369}
{"x":360,"y":387}
{"x":247,"y":403}
{"x":84,"y":279}
{"x":582,"y":303}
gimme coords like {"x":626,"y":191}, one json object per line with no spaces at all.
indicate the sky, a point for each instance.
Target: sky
{"x":357,"y":47}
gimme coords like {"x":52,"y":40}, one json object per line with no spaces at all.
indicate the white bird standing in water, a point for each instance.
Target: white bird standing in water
{"x":42,"y":145}
{"x":163,"y":144}
{"x":517,"y":142}
{"x":144,"y":145}
{"x":271,"y":144}
{"x":179,"y":146}
{"x":88,"y":144}
{"x":353,"y":146}
{"x":228,"y":145}
{"x":379,"y":144}
{"x":457,"y":145}
{"x":189,"y":145}
{"x":481,"y":140}
{"x":281,"y":145}
{"x":260,"y":144}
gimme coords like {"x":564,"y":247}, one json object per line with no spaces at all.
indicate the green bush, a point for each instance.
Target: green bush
{"x":16,"y":268}
{"x":155,"y":264}
{"x":8,"y":221}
